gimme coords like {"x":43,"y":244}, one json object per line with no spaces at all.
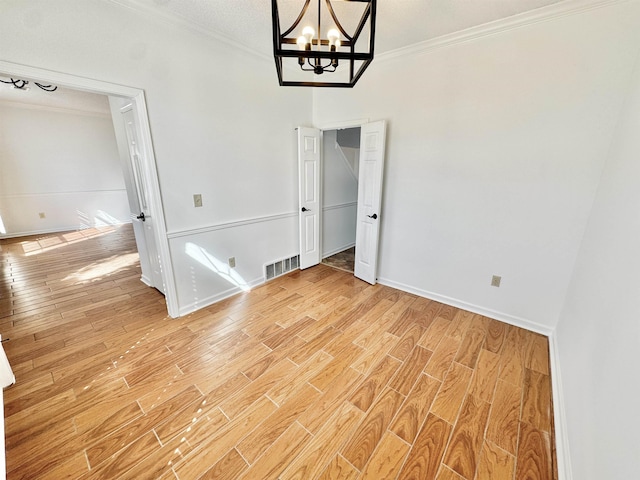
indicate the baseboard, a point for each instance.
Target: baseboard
{"x":338,"y":250}
{"x":559,"y":417}
{"x":563,"y":457}
{"x":43,"y":231}
{"x":454,"y":302}
{"x":205,"y":302}
{"x":47,"y":231}
{"x":561,"y":437}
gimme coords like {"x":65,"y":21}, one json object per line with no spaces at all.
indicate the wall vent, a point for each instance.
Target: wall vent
{"x":281,"y":267}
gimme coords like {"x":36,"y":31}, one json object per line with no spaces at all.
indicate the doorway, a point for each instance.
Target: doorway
{"x":340,"y":169}
{"x":136,"y":97}
{"x":137,"y":185}
{"x":369,"y":197}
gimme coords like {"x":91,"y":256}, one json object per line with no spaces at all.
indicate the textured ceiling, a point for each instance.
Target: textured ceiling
{"x":400,"y":23}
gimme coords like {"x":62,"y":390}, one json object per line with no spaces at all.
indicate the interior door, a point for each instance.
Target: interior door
{"x":309,"y":196}
{"x":143,"y":222}
{"x":372,"y":143}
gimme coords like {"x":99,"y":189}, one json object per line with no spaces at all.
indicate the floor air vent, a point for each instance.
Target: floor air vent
{"x":280,"y":267}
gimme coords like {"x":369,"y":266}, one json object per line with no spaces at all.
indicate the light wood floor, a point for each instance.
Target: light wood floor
{"x":313,"y":375}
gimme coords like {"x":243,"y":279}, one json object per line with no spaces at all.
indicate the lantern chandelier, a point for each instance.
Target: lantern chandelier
{"x":323,"y":45}
{"x":22,"y":85}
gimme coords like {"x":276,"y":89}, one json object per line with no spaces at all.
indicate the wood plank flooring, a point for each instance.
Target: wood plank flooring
{"x":314,"y":375}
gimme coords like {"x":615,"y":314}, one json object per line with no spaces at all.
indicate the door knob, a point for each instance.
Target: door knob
{"x":305,"y":209}
{"x":141,"y":216}
{"x":374,"y":216}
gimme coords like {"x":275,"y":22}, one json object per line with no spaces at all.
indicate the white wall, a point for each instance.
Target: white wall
{"x":221,"y":125}
{"x":204,"y":275}
{"x":494,"y":152}
{"x":494,"y":155}
{"x":339,"y":199}
{"x":63,"y":164}
{"x":598,"y":335}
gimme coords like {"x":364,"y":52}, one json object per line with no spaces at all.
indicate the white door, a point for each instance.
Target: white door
{"x":143,"y":222}
{"x":309,"y":196}
{"x":372,"y":141}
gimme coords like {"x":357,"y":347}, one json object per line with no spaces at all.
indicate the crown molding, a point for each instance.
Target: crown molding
{"x":539,"y":15}
{"x":177,"y":20}
{"x":543,"y":14}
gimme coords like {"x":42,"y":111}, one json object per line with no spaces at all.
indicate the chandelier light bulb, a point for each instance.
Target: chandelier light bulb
{"x":320,"y":42}
{"x":308,"y":33}
{"x":334,"y":36}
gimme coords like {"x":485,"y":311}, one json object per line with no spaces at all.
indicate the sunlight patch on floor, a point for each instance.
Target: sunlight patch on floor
{"x":48,"y":243}
{"x":102,"y":269}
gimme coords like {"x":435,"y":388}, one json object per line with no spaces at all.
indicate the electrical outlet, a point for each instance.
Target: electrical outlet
{"x":495,"y":281}
{"x":42,"y":215}
{"x":232,"y":262}
{"x":197,"y":200}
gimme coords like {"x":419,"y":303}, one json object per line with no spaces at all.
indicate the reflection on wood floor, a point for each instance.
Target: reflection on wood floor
{"x":315,"y":375}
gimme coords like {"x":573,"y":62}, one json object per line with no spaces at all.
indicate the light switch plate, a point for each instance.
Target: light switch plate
{"x":197,"y":200}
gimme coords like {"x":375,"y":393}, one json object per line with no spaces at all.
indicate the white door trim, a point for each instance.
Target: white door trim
{"x":370,"y":181}
{"x":152,"y":274}
{"x":359,"y":123}
{"x":140,"y":105}
{"x":346,"y":124}
{"x":310,"y":195}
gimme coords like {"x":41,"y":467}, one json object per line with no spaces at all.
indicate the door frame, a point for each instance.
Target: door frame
{"x":357,"y":123}
{"x":316,"y":214}
{"x":137,"y":98}
{"x":137,"y":181}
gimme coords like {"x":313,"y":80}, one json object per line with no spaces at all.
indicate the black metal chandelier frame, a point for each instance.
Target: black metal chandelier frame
{"x":22,"y":85}
{"x":318,"y":60}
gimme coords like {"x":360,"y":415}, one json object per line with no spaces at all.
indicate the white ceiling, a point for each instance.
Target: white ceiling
{"x":400,"y":23}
